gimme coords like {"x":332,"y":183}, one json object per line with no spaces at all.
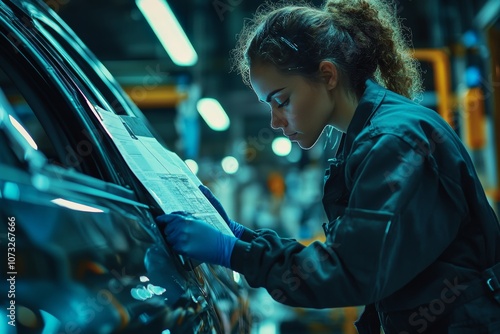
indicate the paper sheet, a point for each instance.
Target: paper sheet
{"x":162,"y":172}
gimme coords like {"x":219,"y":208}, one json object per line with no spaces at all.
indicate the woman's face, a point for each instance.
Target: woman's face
{"x":299,"y":107}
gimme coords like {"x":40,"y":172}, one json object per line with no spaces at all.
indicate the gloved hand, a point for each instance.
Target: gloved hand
{"x":197,"y":239}
{"x":236,"y":228}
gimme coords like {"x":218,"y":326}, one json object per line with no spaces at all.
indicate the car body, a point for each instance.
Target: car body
{"x":84,"y":252}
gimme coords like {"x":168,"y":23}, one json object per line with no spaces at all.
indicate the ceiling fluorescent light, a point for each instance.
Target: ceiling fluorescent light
{"x":168,"y":30}
{"x":213,"y":114}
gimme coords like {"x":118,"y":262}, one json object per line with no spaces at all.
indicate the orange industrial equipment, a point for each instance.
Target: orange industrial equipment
{"x":475,"y":118}
{"x":439,"y":60}
{"x":276,"y":184}
{"x":155,"y":96}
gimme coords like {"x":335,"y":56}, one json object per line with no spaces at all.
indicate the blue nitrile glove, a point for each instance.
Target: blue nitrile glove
{"x":236,"y":228}
{"x":197,"y":239}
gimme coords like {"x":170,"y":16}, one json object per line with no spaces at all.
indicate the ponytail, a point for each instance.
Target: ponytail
{"x":379,"y":35}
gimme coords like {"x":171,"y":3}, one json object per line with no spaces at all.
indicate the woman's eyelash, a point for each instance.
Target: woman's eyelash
{"x":280,"y":105}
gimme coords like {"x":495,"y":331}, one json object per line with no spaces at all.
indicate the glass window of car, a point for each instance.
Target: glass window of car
{"x":27,"y":118}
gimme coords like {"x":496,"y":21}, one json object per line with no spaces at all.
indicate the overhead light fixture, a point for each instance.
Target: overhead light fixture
{"x":213,"y":114}
{"x":168,"y":30}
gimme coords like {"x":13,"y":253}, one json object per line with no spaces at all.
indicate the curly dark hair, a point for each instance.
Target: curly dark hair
{"x":363,"y":38}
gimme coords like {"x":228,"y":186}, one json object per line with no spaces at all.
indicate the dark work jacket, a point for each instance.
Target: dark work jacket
{"x":410,"y":230}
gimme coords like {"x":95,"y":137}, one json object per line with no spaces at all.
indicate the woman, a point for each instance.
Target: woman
{"x":410,"y":233}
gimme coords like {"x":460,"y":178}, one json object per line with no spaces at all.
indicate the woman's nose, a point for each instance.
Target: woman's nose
{"x":277,"y":120}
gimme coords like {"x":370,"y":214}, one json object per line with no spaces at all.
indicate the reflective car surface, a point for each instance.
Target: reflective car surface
{"x":82,"y":251}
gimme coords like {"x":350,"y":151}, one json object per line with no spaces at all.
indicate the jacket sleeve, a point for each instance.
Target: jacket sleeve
{"x":400,"y":218}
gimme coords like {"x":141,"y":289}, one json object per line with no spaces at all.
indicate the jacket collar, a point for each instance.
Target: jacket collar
{"x":368,"y":104}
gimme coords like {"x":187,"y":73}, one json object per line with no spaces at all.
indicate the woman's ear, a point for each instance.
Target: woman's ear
{"x":329,"y":73}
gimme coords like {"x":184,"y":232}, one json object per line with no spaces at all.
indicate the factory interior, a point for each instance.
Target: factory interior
{"x":195,"y":105}
{"x":456,"y":42}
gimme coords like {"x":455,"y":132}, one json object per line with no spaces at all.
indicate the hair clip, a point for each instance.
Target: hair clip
{"x":290,"y":44}
{"x":295,"y":68}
